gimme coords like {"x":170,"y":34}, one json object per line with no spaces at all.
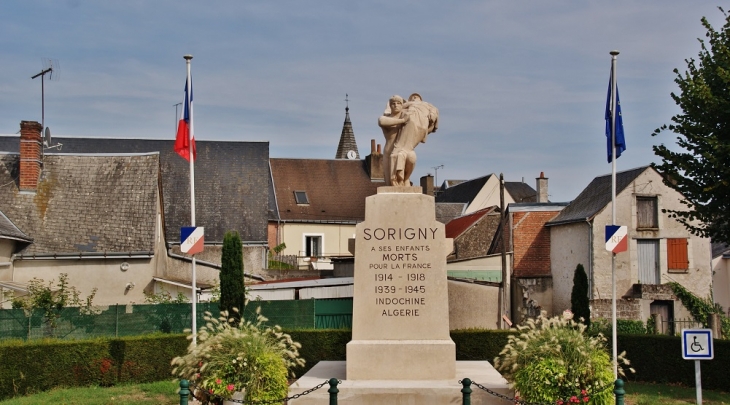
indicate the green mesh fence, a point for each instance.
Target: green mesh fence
{"x":131,"y":320}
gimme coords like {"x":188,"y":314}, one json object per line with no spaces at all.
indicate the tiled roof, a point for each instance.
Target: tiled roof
{"x":336,"y":189}
{"x":457,"y":226}
{"x":231,"y":182}
{"x":85,"y":203}
{"x":445,"y":212}
{"x":595,"y":197}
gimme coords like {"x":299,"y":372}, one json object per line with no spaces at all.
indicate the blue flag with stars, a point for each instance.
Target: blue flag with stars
{"x":620,"y":141}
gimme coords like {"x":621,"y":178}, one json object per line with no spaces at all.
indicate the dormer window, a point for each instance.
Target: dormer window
{"x":301,"y":197}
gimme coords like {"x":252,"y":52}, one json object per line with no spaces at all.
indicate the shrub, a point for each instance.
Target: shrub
{"x":623,"y":326}
{"x":553,"y":360}
{"x":232,"y":357}
{"x":579,"y":302}
{"x":233,"y":291}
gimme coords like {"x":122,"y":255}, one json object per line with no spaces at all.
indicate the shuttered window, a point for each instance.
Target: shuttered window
{"x":677,"y":254}
{"x":646,"y":213}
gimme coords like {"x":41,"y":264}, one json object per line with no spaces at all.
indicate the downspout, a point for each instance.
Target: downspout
{"x":590,"y":258}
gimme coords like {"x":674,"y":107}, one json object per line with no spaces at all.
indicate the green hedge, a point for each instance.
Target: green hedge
{"x":39,"y":365}
{"x":27,"y":367}
{"x":658,"y":358}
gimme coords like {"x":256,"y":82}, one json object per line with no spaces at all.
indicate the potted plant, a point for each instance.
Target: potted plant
{"x":236,"y":358}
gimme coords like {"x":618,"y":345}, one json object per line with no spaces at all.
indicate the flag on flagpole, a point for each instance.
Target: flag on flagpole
{"x":620,"y":141}
{"x":185,"y":134}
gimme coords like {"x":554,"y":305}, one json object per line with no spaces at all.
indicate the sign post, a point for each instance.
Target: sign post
{"x":192,"y":242}
{"x":697,"y":345}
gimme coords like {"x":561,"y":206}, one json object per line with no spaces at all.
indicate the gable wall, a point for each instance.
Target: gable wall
{"x":531,"y":243}
{"x":488,"y":196}
{"x":569,"y":247}
{"x":697,"y":279}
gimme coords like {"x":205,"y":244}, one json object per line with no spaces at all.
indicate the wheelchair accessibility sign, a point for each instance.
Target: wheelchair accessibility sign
{"x":697,"y":344}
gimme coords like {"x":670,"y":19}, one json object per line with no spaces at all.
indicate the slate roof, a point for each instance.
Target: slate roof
{"x":85,"y":203}
{"x":459,"y":225}
{"x":8,"y":230}
{"x":466,"y":191}
{"x":336,"y":189}
{"x":347,"y":139}
{"x":520,"y":191}
{"x":445,"y":212}
{"x":231,"y":182}
{"x":595,"y":197}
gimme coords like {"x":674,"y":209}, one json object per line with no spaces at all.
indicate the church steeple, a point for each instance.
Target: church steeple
{"x":347,"y":149}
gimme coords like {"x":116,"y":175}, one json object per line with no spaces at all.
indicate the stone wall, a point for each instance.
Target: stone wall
{"x":625,"y":309}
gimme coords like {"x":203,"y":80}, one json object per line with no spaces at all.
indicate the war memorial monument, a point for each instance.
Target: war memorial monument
{"x":401,"y":351}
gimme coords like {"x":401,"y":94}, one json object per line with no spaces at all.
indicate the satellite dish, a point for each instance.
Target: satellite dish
{"x":47,"y":137}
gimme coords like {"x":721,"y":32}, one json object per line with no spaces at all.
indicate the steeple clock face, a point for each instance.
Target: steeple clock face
{"x":351,"y":154}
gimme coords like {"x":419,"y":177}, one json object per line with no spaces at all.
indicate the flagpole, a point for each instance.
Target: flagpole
{"x":614,"y":345}
{"x":192,"y":197}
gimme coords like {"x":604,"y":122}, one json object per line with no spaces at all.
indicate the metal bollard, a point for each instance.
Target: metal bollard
{"x":184,"y":392}
{"x":333,"y":390}
{"x":619,"y":391}
{"x":466,"y":392}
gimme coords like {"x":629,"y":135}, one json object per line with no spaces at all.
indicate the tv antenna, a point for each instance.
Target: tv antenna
{"x":436,"y":174}
{"x":52,"y":68}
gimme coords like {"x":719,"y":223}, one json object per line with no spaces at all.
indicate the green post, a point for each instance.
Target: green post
{"x":466,"y":392}
{"x":333,"y":390}
{"x":184,"y":392}
{"x":619,"y":391}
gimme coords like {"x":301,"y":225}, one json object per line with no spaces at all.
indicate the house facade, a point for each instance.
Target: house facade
{"x":660,"y":249}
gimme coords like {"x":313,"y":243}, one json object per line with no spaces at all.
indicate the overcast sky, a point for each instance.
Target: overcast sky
{"x":521,"y":86}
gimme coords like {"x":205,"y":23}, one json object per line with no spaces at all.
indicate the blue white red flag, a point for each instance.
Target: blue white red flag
{"x":185,"y":134}
{"x":620,"y":141}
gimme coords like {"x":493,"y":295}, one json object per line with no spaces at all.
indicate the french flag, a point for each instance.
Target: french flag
{"x":185,"y":133}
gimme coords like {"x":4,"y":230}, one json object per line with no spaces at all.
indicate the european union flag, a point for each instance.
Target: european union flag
{"x":620,"y":141}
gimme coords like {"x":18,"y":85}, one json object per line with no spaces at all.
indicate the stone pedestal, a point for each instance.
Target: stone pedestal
{"x":400,"y":313}
{"x":401,"y":351}
{"x":402,"y":392}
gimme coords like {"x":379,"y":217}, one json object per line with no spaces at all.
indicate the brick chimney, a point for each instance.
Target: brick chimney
{"x":427,"y":185}
{"x":31,"y":149}
{"x":542,"y":188}
{"x":374,"y":162}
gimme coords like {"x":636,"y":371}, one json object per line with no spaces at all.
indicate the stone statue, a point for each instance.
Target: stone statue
{"x":405,"y":125}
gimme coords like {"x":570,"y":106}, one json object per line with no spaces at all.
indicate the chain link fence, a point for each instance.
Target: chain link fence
{"x":132,"y":320}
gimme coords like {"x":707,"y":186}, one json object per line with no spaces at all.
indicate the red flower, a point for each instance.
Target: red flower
{"x":230,"y":387}
{"x":583,"y":392}
{"x":560,"y":402}
{"x":217,"y":380}
{"x":585,"y":399}
{"x":210,"y":391}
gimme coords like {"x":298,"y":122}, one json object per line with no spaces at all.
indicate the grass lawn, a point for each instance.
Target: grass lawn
{"x":656,"y":394}
{"x":163,"y":393}
{"x":158,"y":393}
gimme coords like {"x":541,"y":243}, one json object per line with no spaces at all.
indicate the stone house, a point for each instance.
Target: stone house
{"x":231,"y":191}
{"x":660,"y":249}
{"x":93,"y":217}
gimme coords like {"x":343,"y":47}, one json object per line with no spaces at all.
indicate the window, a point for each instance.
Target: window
{"x":677,"y":259}
{"x":646,"y":213}
{"x":301,"y":197}
{"x":313,"y":246}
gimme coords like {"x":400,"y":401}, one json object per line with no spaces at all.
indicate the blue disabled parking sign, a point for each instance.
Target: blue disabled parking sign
{"x":697,"y":344}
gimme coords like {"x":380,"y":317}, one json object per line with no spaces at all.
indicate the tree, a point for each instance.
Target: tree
{"x":579,"y":303}
{"x":233,"y":293}
{"x":701,"y":171}
{"x":52,"y":300}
